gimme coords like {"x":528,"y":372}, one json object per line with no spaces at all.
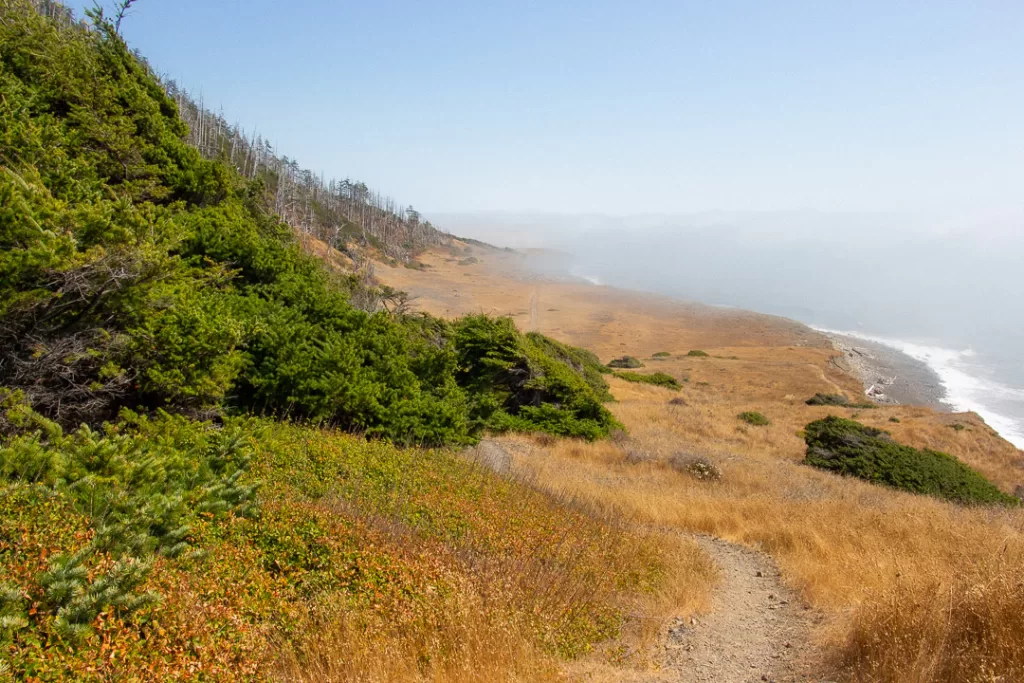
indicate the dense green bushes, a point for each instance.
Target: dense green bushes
{"x":658,"y":379}
{"x":848,"y":447}
{"x":628,"y":362}
{"x":522,"y":383}
{"x":135,"y":274}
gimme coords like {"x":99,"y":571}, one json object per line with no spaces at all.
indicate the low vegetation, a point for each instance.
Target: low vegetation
{"x":697,"y":353}
{"x":169,"y":549}
{"x":837,"y":400}
{"x":698,"y":467}
{"x":661,"y":354}
{"x":626,"y":362}
{"x":850,"y":448}
{"x":658,"y":379}
{"x":754,"y":418}
{"x":820,"y":399}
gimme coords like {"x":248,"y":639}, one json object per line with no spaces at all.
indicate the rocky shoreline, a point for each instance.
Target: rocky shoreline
{"x":890,"y":377}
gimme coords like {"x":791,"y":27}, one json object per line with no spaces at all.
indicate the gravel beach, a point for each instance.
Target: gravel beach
{"x":912,"y":382}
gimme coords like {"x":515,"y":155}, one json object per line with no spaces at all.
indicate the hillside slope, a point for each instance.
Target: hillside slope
{"x":198,"y":471}
{"x":909,"y":588}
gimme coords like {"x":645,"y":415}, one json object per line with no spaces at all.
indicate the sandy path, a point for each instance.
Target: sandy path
{"x":757,"y":630}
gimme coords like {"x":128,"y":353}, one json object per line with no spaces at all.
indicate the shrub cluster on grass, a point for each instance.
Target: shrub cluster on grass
{"x":697,"y":353}
{"x":515,"y":383}
{"x":662,"y":354}
{"x":838,"y":400}
{"x":754,"y":418}
{"x":626,"y":362}
{"x":820,"y":399}
{"x":581,"y":360}
{"x":850,"y":448}
{"x":658,"y":379}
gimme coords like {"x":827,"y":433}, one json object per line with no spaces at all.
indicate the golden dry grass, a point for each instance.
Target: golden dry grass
{"x":914,"y":589}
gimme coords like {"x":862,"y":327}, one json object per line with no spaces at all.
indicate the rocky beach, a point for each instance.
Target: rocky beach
{"x":889,"y":376}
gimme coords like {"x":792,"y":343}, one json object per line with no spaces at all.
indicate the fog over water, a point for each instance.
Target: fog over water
{"x":948,"y":292}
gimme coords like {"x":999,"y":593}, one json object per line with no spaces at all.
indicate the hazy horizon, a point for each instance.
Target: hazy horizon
{"x":953,"y":287}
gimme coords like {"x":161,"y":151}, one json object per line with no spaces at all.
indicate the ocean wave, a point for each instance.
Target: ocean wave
{"x":965,"y":389}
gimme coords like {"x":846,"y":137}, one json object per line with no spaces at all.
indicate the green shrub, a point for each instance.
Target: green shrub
{"x":662,"y":354}
{"x":627,"y":362}
{"x":754,"y":418}
{"x":659,"y":379}
{"x":894,"y":419}
{"x":820,"y":399}
{"x":838,"y":400}
{"x":136,"y":274}
{"x":522,"y":383}
{"x":581,"y":360}
{"x":697,"y":353}
{"x":850,"y":448}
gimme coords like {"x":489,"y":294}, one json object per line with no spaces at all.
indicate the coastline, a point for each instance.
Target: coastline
{"x":897,"y":378}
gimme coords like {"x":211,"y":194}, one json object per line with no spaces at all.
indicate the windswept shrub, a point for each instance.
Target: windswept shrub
{"x":837,"y":400}
{"x":754,"y":418}
{"x":697,"y":353}
{"x":850,"y":448}
{"x":658,"y":379}
{"x":627,"y":362}
{"x":581,"y":360}
{"x":821,"y":399}
{"x":661,"y":354}
{"x":515,"y":384}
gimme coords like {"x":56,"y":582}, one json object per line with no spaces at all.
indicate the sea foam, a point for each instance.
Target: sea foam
{"x":965,"y":389}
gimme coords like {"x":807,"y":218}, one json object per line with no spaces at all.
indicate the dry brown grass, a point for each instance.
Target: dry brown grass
{"x":467,"y":576}
{"x":914,"y":589}
{"x":464,"y":643}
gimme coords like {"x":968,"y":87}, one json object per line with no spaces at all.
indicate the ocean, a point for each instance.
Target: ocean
{"x":953,"y":301}
{"x":971,"y":382}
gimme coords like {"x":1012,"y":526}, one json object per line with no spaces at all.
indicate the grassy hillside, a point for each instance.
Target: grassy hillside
{"x":164,"y":515}
{"x":904,"y":587}
{"x":166,"y":548}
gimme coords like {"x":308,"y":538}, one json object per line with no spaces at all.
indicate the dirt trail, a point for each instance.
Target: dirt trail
{"x":757,"y":629}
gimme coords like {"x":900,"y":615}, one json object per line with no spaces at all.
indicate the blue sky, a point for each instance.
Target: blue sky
{"x":621,"y":107}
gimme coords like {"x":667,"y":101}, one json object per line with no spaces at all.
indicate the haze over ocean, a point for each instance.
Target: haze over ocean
{"x":947,"y":292}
